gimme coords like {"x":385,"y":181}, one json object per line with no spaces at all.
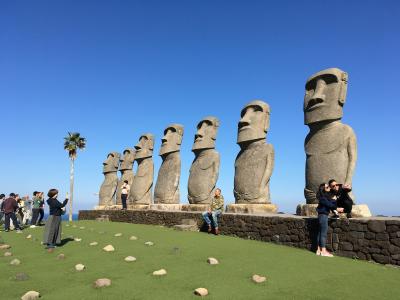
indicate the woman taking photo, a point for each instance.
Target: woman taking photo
{"x":325,"y":206}
{"x":52,"y":230}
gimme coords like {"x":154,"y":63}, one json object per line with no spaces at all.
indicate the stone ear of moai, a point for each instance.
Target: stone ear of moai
{"x":166,"y":192}
{"x":330,"y":147}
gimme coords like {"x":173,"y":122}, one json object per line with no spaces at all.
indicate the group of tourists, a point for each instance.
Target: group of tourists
{"x":25,"y":212}
{"x":21,"y":211}
{"x":332,"y":198}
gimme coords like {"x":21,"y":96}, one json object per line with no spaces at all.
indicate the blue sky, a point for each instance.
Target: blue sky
{"x":113,"y":70}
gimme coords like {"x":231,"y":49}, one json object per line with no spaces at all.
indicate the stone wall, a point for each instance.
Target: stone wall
{"x":376,"y":239}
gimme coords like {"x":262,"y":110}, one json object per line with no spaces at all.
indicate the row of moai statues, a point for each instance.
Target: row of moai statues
{"x":330,"y":146}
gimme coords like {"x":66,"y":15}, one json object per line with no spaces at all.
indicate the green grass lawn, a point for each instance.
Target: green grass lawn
{"x":292,"y":273}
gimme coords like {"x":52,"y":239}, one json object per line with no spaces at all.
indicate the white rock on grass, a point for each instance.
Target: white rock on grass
{"x":32,"y":226}
{"x":160,"y":272}
{"x":61,"y":256}
{"x":74,"y":226}
{"x":102,"y":282}
{"x":19,"y":231}
{"x":109,"y":248}
{"x":4,"y":246}
{"x":93,"y":244}
{"x":149,"y":243}
{"x":7,"y":253}
{"x":15,"y":262}
{"x":82,"y":227}
{"x":212,"y":261}
{"x":133,"y":238}
{"x":258,"y":279}
{"x":201,"y":292}
{"x":77,"y":239}
{"x":118,"y":234}
{"x":79,"y":267}
{"x":31,"y":295}
{"x":29,"y":236}
{"x":130,"y":258}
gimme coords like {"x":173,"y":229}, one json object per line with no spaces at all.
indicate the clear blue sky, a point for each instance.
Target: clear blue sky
{"x":113,"y":70}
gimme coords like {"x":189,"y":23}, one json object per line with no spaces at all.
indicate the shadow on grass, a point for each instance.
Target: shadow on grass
{"x":65,"y":241}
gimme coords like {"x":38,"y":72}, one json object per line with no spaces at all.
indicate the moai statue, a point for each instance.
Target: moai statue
{"x":330,"y":146}
{"x":205,"y":167}
{"x":126,"y":169}
{"x":166,"y":192}
{"x":254,"y":163}
{"x":109,"y":185}
{"x":140,"y":196}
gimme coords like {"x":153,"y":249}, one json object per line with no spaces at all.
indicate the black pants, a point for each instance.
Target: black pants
{"x":35,"y":215}
{"x":123,"y":198}
{"x":41,"y":214}
{"x":11,"y":216}
{"x":345,"y":202}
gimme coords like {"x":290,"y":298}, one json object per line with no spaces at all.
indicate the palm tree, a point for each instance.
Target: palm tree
{"x":72,"y":143}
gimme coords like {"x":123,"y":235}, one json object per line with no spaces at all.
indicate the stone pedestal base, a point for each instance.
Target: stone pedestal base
{"x":309,"y":210}
{"x":195,"y":207}
{"x":138,"y":206}
{"x":107,"y":207}
{"x":252,"y":208}
{"x":168,"y":207}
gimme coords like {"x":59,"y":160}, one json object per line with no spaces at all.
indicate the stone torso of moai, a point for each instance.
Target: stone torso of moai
{"x":126,"y":169}
{"x":167,"y":186}
{"x":255,"y":161}
{"x":141,"y":189}
{"x":109,"y":185}
{"x":205,"y":167}
{"x":330,"y":146}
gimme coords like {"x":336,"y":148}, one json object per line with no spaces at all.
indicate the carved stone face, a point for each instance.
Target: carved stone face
{"x":325,"y":96}
{"x":127,"y":159}
{"x":254,"y":122}
{"x":172,"y":140}
{"x":144,"y":148}
{"x":111,"y":163}
{"x":206,"y":133}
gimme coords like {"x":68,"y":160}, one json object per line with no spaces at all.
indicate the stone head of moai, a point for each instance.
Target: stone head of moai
{"x":144,"y":148}
{"x":127,"y":159}
{"x":206,"y":134}
{"x":254,"y":122}
{"x":172,"y":139}
{"x":111,"y":163}
{"x":325,"y":96}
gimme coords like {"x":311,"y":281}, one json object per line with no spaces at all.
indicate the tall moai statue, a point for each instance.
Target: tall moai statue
{"x":254,"y":163}
{"x":166,"y":192}
{"x":126,"y":170}
{"x":205,"y":166}
{"x":140,"y":196}
{"x":330,"y":146}
{"x":109,"y":185}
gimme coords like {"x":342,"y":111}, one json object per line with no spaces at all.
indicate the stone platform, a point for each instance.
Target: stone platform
{"x":376,"y":239}
{"x":252,"y":208}
{"x":358,"y":211}
{"x":167,"y":207}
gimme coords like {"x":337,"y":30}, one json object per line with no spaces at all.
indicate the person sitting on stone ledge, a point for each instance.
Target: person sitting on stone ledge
{"x":340,"y":192}
{"x":214,"y":211}
{"x":325,"y":206}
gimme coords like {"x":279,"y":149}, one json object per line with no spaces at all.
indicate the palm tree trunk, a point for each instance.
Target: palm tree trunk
{"x":71,"y":189}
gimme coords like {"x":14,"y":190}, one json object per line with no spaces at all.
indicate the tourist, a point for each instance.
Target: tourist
{"x":27,"y":209}
{"x":124,"y":193}
{"x":2,"y":198}
{"x":35,"y":207}
{"x":214,"y":211}
{"x":325,"y":206}
{"x":10,"y":205}
{"x":52,"y":230}
{"x":20,"y":209}
{"x":341,"y":193}
{"x":41,"y":208}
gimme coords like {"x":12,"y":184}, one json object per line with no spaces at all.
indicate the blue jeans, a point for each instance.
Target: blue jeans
{"x":214,"y":215}
{"x":323,"y":230}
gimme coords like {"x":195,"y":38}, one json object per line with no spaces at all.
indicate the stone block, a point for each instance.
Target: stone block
{"x":252,"y":208}
{"x":195,"y":207}
{"x":168,"y":207}
{"x":376,"y":226}
{"x":138,"y":206}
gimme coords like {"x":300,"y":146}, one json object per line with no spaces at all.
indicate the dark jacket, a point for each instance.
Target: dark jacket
{"x":325,"y":205}
{"x":55,"y":206}
{"x":9,"y":205}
